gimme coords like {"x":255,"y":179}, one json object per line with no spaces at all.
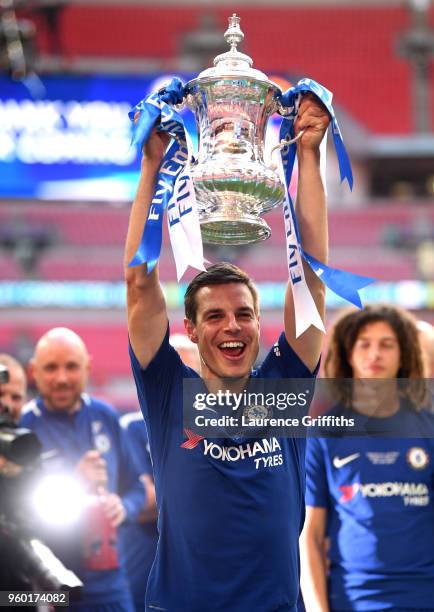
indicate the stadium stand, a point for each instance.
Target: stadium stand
{"x":88,"y":242}
{"x":351,"y":48}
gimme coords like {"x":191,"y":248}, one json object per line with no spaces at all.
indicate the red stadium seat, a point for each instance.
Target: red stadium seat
{"x":350,"y":49}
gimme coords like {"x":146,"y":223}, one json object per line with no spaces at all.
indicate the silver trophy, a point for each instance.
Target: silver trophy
{"x":232,"y":103}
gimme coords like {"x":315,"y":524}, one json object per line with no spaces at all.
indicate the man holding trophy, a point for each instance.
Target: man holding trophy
{"x":229,"y":523}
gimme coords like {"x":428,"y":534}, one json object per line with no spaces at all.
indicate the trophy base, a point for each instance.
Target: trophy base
{"x":229,"y":230}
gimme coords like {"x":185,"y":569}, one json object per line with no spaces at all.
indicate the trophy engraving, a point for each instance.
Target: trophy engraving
{"x":232,"y":103}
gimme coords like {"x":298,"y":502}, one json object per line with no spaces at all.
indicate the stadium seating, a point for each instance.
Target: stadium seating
{"x":88,"y":242}
{"x":351,"y":49}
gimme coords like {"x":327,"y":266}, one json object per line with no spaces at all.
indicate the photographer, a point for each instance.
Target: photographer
{"x":13,"y":389}
{"x":30,"y":565}
{"x":13,"y":392}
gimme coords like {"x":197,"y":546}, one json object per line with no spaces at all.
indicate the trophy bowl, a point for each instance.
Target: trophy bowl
{"x":232,"y":103}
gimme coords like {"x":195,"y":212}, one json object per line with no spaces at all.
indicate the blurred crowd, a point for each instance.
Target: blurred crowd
{"x":91,"y":496}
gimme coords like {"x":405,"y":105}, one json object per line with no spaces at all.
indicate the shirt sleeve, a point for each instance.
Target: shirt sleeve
{"x":160,"y":393}
{"x":317,"y":493}
{"x":155,"y":382}
{"x":282,"y":361}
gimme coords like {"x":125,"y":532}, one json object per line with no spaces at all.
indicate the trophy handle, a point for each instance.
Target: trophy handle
{"x":285,"y":143}
{"x":283,"y":111}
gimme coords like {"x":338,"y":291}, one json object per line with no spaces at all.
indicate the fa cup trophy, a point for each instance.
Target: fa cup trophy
{"x":221,"y":194}
{"x":234,"y":185}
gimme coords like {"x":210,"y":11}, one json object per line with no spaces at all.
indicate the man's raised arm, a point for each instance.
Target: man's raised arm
{"x":311,"y":212}
{"x":146,"y":307}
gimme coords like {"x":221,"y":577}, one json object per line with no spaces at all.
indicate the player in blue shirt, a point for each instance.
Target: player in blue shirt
{"x":372,"y":497}
{"x":139,"y":539}
{"x":82,"y":436}
{"x":230,"y":510}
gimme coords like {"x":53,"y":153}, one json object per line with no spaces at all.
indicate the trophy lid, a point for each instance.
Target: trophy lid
{"x":233,"y":63}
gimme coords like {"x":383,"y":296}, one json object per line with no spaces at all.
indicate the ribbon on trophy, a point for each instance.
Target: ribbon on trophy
{"x":174,"y":191}
{"x":174,"y":188}
{"x":344,"y":284}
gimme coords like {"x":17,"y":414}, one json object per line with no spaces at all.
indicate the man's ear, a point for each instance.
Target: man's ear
{"x":190,"y":330}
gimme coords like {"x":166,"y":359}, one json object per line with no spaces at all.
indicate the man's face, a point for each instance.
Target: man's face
{"x":376,"y":352}
{"x":13,"y":393}
{"x":226,"y":330}
{"x":60,"y":369}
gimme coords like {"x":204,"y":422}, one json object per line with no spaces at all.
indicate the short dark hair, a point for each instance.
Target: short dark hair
{"x":217,"y":274}
{"x":346,"y":330}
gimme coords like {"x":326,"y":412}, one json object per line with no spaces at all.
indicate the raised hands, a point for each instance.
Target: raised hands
{"x":314,"y":119}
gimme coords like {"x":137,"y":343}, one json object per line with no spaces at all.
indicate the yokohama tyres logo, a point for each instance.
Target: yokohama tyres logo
{"x":413,"y":493}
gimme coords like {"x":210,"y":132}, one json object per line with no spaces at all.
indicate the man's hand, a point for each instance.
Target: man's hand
{"x":149,"y":513}
{"x":113,"y":508}
{"x":92,"y":468}
{"x":314,"y":119}
{"x":155,"y":148}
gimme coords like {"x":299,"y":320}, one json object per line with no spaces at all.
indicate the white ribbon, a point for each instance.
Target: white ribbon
{"x":183,"y":222}
{"x":306,"y":312}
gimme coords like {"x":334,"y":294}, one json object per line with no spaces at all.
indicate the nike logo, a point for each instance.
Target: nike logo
{"x":338,"y":463}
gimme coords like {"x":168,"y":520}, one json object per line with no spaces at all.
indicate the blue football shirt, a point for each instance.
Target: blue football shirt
{"x":378,"y":493}
{"x":230,"y":512}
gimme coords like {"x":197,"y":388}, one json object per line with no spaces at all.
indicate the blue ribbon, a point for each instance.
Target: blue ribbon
{"x":154,"y":111}
{"x":291,"y":99}
{"x":344,"y":284}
